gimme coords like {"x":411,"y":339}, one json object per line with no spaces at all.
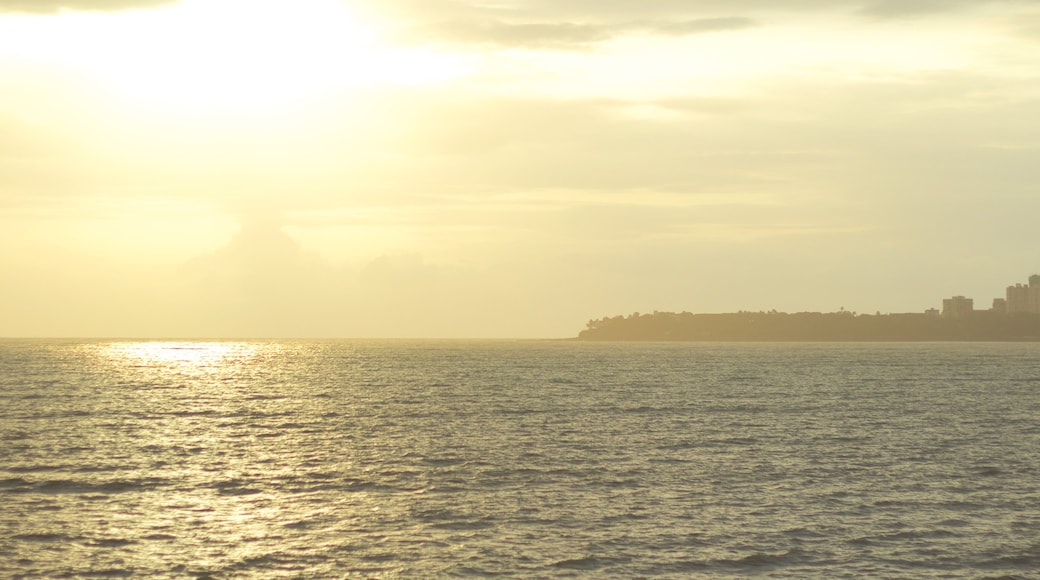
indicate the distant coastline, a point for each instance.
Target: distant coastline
{"x":814,"y":326}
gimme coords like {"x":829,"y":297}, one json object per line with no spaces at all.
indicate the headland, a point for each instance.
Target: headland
{"x":1013,"y":318}
{"x":813,"y":326}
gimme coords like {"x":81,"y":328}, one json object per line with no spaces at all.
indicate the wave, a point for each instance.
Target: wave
{"x":73,"y":486}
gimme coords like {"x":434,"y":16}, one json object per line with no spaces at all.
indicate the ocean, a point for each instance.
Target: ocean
{"x":518,"y":459}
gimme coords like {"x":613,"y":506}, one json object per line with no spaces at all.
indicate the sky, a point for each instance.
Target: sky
{"x":506,"y":168}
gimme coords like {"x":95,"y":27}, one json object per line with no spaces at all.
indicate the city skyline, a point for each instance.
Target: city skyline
{"x":1018,"y":298}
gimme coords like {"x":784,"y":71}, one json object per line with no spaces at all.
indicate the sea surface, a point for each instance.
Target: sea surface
{"x":535,"y":459}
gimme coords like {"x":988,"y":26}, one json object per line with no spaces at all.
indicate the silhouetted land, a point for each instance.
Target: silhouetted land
{"x":814,"y":326}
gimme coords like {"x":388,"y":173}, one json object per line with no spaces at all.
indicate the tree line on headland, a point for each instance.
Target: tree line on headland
{"x":814,"y":326}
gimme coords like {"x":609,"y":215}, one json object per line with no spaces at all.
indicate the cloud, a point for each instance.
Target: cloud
{"x":565,"y":35}
{"x":52,"y":6}
{"x":528,"y":35}
{"x":551,"y":25}
{"x":904,"y":8}
{"x":700,"y":25}
{"x":561,"y":24}
{"x":263,"y":283}
{"x":586,"y":10}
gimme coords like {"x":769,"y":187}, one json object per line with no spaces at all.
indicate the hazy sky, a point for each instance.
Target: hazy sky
{"x":506,"y":168}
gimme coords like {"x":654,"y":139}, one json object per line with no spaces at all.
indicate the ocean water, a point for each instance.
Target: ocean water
{"x":370,"y":459}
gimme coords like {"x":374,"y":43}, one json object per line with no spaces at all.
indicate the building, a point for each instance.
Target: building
{"x":958,"y":307}
{"x":999,"y":306}
{"x":1022,"y":298}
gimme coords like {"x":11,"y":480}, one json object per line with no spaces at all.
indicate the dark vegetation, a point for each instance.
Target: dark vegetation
{"x":814,"y":326}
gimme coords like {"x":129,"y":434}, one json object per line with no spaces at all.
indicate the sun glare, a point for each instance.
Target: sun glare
{"x":240,"y":55}
{"x":181,"y":355}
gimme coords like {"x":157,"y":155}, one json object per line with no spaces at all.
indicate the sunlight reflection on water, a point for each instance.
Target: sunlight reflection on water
{"x":186,"y":355}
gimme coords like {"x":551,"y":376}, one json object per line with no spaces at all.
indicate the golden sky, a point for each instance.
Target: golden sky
{"x":506,"y":168}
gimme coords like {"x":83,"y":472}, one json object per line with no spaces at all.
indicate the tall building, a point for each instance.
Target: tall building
{"x":999,"y":306}
{"x":1022,"y":298}
{"x":958,"y":307}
